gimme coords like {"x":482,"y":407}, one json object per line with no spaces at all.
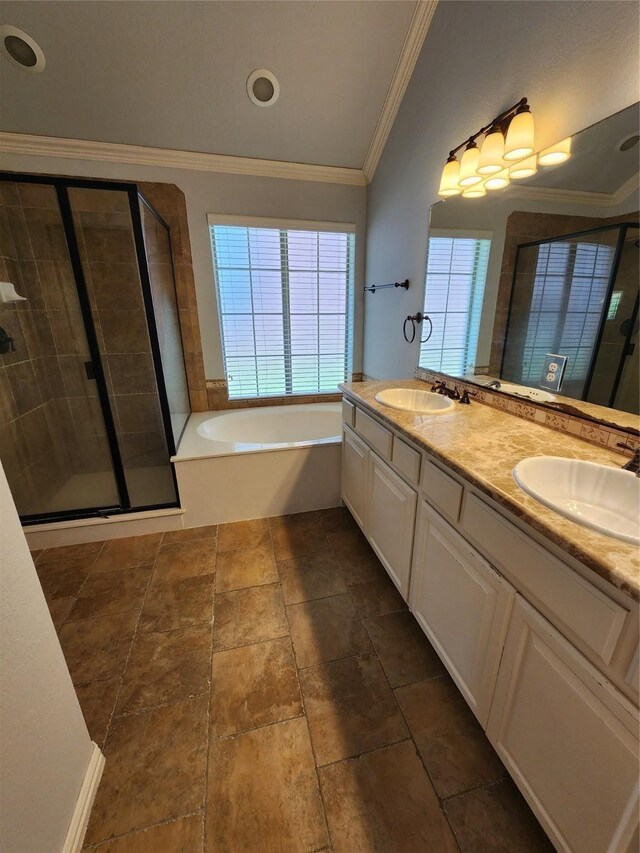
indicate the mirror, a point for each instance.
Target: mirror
{"x":535,"y":286}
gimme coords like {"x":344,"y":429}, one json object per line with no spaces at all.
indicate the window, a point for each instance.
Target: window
{"x":454,"y":288}
{"x":285,"y":295}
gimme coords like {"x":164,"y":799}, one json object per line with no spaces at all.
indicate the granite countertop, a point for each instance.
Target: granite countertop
{"x":483,"y":444}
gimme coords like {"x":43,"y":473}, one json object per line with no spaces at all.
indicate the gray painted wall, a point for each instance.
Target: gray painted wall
{"x":241,"y":195}
{"x":577,"y":62}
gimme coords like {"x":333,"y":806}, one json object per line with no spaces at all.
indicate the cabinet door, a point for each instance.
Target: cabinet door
{"x":567,"y":737}
{"x":463,"y":606}
{"x":355,"y":471}
{"x":391,"y":515}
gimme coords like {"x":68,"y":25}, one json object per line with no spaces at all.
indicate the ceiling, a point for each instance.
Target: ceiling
{"x":172,"y":75}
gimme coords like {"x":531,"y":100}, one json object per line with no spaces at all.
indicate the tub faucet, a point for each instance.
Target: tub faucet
{"x":633,"y":464}
{"x":494,"y":384}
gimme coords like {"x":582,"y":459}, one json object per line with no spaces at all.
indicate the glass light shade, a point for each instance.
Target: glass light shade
{"x":519,"y":141}
{"x":491,"y":153}
{"x":557,"y":153}
{"x":469,"y":167}
{"x":498,"y":181}
{"x":476,"y":191}
{"x":449,"y":180}
{"x":523,"y":169}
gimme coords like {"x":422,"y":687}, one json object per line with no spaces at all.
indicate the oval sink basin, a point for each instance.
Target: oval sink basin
{"x":604,"y":498}
{"x":412,"y":400}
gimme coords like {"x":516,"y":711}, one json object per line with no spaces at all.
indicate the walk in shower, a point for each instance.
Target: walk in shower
{"x":93,"y":390}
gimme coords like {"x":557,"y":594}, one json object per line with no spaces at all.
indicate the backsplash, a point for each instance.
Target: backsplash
{"x":594,"y":433}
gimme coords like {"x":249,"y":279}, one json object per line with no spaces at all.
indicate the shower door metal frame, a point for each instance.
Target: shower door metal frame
{"x":61,"y":187}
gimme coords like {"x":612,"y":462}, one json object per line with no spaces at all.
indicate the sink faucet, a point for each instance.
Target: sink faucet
{"x":633,"y":464}
{"x":441,"y":388}
{"x":493,"y":384}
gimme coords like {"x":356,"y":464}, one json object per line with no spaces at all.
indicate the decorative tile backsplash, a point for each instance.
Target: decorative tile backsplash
{"x":594,"y":433}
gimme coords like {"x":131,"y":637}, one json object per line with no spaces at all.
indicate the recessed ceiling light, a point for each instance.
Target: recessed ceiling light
{"x":263,"y":87}
{"x":21,"y":50}
{"x":628,"y":142}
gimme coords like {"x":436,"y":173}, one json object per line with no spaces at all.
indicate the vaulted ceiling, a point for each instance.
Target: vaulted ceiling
{"x":173,"y":74}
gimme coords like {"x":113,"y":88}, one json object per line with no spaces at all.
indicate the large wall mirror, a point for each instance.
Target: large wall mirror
{"x":534,"y":287}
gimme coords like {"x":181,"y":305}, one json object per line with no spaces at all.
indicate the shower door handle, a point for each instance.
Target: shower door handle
{"x":88,"y":369}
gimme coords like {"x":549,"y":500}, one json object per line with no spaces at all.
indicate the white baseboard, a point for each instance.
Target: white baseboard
{"x":78,"y":826}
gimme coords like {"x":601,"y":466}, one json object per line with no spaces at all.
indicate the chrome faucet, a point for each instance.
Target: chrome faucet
{"x":493,"y":384}
{"x":633,"y":464}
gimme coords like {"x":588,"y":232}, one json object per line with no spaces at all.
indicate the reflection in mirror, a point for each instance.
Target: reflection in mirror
{"x":535,"y":287}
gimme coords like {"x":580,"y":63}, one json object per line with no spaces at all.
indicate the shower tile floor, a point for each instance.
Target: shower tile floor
{"x":263,"y":687}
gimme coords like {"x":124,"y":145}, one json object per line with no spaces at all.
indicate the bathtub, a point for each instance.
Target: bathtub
{"x":259,"y":462}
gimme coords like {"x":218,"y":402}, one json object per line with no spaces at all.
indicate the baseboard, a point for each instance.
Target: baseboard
{"x":78,"y":826}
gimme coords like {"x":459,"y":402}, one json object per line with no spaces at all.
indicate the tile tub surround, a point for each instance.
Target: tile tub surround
{"x":219,"y":739}
{"x":483,"y":444}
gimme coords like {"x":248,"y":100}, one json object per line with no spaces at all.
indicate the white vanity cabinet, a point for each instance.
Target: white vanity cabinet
{"x":568,"y":738}
{"x":355,"y":465}
{"x":391,"y":515}
{"x":463,"y":606}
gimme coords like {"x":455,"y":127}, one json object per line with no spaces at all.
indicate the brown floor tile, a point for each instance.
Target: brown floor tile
{"x":85,"y":552}
{"x":494,"y":820}
{"x":104,"y":593}
{"x":383,"y":801}
{"x":350,"y":708}
{"x":307,"y":578}
{"x":179,"y":836}
{"x":354,"y":555}
{"x":185,"y":560}
{"x":154,"y":771}
{"x":243,"y":534}
{"x":453,"y":746}
{"x":249,"y":616}
{"x":63,"y":580}
{"x":166,"y":667}
{"x":245,"y":567}
{"x":127,"y":552}
{"x":59,"y":609}
{"x":336,"y":518}
{"x":177,"y":604}
{"x":173,"y":537}
{"x":326,"y":629}
{"x":262,"y":792}
{"x":97,"y":700}
{"x":377,"y":596}
{"x":97,"y":648}
{"x":297,"y":537}
{"x":405,"y":653}
{"x":253,"y":686}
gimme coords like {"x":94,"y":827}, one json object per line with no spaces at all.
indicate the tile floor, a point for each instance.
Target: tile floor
{"x":262,"y":687}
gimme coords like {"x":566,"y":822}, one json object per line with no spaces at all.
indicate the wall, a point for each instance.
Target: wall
{"x":242,"y":195}
{"x":575,"y":61}
{"x":44,"y":742}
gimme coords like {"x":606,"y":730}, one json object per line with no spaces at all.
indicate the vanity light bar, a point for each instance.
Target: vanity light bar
{"x":506,"y":153}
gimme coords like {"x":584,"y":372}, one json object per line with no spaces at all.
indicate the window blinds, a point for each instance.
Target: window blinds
{"x":285,"y":297}
{"x":456,"y":274}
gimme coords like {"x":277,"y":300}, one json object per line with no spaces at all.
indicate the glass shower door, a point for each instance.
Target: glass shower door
{"x":54,"y":441}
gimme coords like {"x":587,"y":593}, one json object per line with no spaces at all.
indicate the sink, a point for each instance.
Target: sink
{"x":604,"y":498}
{"x":412,"y":400}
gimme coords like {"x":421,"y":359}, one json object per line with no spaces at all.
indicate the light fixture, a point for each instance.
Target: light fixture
{"x":263,"y":87}
{"x":469,"y":165}
{"x":476,"y":191}
{"x":519,"y":141}
{"x":492,"y":152}
{"x":21,"y":50}
{"x":524,"y":169}
{"x":557,"y":153}
{"x":498,"y":181}
{"x":450,"y":176}
{"x":8,"y":293}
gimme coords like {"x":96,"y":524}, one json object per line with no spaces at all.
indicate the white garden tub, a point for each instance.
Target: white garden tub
{"x":259,"y":462}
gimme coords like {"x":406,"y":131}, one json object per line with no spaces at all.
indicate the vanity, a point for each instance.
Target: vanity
{"x":534,"y":616}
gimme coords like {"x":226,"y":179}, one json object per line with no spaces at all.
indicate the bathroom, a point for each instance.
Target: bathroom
{"x":319,"y":520}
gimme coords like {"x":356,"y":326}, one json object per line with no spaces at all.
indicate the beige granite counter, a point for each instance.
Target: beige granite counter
{"x":483,"y":444}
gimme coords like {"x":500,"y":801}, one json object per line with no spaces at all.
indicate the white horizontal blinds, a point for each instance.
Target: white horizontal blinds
{"x":455,"y":280}
{"x":285,"y":299}
{"x":568,"y":298}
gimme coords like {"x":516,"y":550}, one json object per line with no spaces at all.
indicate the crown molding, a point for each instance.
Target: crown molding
{"x":404,"y":69}
{"x":138,"y":155}
{"x":581,"y":197}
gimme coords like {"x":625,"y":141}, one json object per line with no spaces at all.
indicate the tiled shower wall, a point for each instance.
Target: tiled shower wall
{"x":43,"y":394}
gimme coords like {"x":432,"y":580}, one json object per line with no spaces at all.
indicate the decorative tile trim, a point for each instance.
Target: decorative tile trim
{"x":218,"y":398}
{"x":599,"y":434}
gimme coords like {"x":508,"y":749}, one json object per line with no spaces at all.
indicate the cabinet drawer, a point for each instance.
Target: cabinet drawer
{"x":406,"y":460}
{"x":348,"y":412}
{"x":441,"y":490}
{"x":377,"y":436}
{"x":575,"y":605}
